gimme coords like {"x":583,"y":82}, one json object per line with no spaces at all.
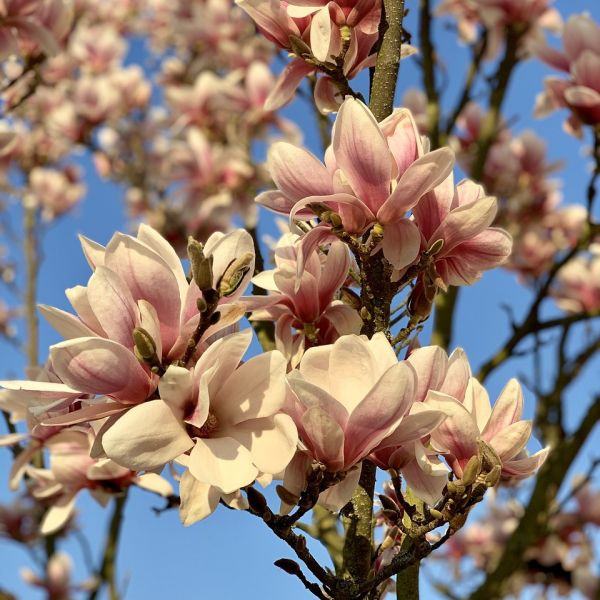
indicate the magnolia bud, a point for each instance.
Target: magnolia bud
{"x":201,"y":266}
{"x":234,"y":273}
{"x":256,"y":500}
{"x":390,"y":538}
{"x":299,"y":46}
{"x":471,"y":470}
{"x":289,"y":566}
{"x":201,"y":304}
{"x":435,"y":513}
{"x":350,"y":297}
{"x":215,"y":318}
{"x":286,"y":496}
{"x":145,"y":347}
{"x":493,"y":477}
{"x":388,"y":503}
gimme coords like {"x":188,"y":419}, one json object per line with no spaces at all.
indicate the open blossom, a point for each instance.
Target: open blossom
{"x":308,"y":304}
{"x":72,"y":470}
{"x":580,"y":92}
{"x":137,"y":283}
{"x":223,"y":415}
{"x":321,"y":32}
{"x":577,"y":286}
{"x":471,"y":420}
{"x":411,"y":453}
{"x":346,"y":400}
{"x":374,"y":173}
{"x":30,"y":27}
{"x":55,"y":191}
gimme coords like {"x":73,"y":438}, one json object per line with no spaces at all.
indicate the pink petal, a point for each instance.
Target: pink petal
{"x":287,"y":84}
{"x":272,"y":442}
{"x":382,"y":408}
{"x":431,"y":364}
{"x":113,"y":305}
{"x":401,"y":243}
{"x":511,"y":440}
{"x":362,"y":153}
{"x":325,"y":438}
{"x":507,"y":409}
{"x":198,"y":500}
{"x":66,"y":324}
{"x":421,"y":177}
{"x":297,"y":172}
{"x":98,"y":366}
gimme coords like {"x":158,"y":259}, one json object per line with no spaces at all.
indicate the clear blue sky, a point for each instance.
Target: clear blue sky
{"x":230,"y":555}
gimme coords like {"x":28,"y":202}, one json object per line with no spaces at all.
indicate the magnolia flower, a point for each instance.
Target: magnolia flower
{"x":137,"y":283}
{"x":223,"y":414}
{"x":350,"y":399}
{"x":461,"y":217}
{"x":318,"y":31}
{"x":407,"y":449}
{"x":55,"y":191}
{"x":308,"y":304}
{"x":472,"y":420}
{"x":374,"y":173}
{"x":577,"y":286}
{"x":581,"y":61}
{"x":72,"y":470}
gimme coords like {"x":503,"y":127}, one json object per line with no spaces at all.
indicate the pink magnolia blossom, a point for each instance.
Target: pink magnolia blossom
{"x":472,"y":419}
{"x":137,"y":282}
{"x":407,"y":449}
{"x":56,"y":192}
{"x":330,"y":30}
{"x":581,"y":61}
{"x":222,"y":415}
{"x":56,"y":582}
{"x":461,"y":217}
{"x":308,"y":305}
{"x":577,"y":286}
{"x":72,"y":470}
{"x":347,"y":399}
{"x":374,"y":173}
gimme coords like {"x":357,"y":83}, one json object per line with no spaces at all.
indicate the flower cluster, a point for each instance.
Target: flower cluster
{"x":151,"y":373}
{"x":333,"y":38}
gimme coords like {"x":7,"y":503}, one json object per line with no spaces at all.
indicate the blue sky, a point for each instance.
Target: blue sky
{"x":230,"y":555}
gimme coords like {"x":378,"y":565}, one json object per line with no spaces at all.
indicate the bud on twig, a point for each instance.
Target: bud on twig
{"x":286,"y":496}
{"x":291,"y":567}
{"x":201,"y":266}
{"x":471,"y":470}
{"x":256,"y":500}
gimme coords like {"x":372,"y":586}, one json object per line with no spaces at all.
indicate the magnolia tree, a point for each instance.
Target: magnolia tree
{"x":368,"y":439}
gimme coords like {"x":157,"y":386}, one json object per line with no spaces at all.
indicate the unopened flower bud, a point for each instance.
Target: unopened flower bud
{"x":201,"y":266}
{"x":289,"y":566}
{"x":299,"y":46}
{"x":201,"y":304}
{"x":256,"y":500}
{"x":286,"y":496}
{"x":493,"y":477}
{"x":435,"y":513}
{"x":215,"y":318}
{"x":471,"y":470}
{"x":390,"y":538}
{"x":234,"y":273}
{"x":145,"y":347}
{"x":388,"y":503}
